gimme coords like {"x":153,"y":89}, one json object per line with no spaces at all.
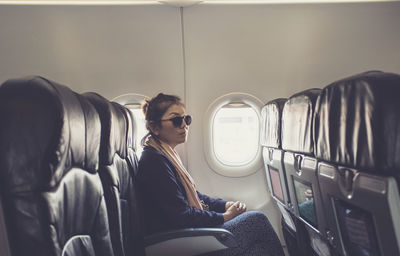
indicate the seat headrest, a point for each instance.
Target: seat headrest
{"x":130,"y":138}
{"x":43,"y":134}
{"x":113,"y":128}
{"x":357,"y":122}
{"x":131,"y":130}
{"x":93,"y":133}
{"x":297,"y":122}
{"x":131,"y":143}
{"x":271,"y":115}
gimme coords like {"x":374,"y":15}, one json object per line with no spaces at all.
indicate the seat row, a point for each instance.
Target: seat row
{"x":332,"y":158}
{"x":67,"y":178}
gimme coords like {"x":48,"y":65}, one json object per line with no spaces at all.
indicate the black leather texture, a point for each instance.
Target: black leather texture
{"x":118,"y":163}
{"x":271,"y":114}
{"x":130,"y":213}
{"x":357,"y":122}
{"x":297,"y":122}
{"x":112,"y":149}
{"x":48,"y":171}
{"x":113,"y":130}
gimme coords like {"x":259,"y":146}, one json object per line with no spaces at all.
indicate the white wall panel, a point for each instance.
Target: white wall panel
{"x":108,"y":49}
{"x":286,"y":48}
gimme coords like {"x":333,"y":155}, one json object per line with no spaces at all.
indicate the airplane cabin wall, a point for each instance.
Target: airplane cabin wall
{"x":112,"y":50}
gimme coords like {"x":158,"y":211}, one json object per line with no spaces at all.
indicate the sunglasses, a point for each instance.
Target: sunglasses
{"x":177,"y":121}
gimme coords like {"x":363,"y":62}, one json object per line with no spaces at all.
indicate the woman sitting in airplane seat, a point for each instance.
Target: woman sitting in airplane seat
{"x":169,"y":196}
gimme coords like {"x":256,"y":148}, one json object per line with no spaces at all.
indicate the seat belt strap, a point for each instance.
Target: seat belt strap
{"x":4,"y":245}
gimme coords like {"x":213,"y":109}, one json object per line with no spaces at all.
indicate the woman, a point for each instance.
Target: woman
{"x":171,"y":200}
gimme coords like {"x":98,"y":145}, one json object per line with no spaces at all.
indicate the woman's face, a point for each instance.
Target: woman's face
{"x":167,"y":132}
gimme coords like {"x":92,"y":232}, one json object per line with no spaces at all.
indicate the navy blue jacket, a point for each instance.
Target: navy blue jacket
{"x":163,"y":197}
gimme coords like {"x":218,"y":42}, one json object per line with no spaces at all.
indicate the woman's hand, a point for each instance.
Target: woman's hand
{"x":234,"y":209}
{"x":228,"y":204}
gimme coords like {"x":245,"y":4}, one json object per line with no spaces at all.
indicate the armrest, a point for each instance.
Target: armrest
{"x":189,"y":241}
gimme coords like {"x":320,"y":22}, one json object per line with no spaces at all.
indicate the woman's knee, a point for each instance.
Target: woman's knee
{"x":258,"y":218}
{"x":252,"y":228}
{"x":252,"y":224}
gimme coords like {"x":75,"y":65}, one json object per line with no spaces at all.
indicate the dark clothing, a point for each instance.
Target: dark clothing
{"x":164,"y":197}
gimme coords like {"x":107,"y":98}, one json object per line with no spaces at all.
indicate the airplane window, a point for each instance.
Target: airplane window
{"x":231,"y":135}
{"x":236,"y":132}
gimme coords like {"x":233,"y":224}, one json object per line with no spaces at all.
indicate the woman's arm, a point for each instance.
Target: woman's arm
{"x":217,"y":205}
{"x":220,"y":205}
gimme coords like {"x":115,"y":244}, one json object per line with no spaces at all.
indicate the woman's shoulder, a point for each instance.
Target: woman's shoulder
{"x":151,"y":157}
{"x":155,"y":164}
{"x":150,"y":153}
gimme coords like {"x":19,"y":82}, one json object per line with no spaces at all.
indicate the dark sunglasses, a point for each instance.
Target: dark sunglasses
{"x":177,"y":121}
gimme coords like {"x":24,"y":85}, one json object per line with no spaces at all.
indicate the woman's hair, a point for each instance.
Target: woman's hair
{"x":154,"y":108}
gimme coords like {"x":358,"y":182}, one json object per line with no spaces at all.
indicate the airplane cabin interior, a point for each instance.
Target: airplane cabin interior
{"x":294,"y":109}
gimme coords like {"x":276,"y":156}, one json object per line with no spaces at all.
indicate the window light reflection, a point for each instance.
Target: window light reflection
{"x":235,"y":134}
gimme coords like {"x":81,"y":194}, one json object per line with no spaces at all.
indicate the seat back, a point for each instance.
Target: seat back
{"x":116,"y":171}
{"x":271,"y":115}
{"x":271,"y":143}
{"x":131,"y":220}
{"x":112,"y":164}
{"x":299,"y":161}
{"x":301,"y":171}
{"x":357,"y":129}
{"x":52,"y":195}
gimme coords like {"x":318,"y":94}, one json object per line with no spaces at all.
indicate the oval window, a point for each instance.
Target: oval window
{"x":236,"y":134}
{"x":232,"y":130}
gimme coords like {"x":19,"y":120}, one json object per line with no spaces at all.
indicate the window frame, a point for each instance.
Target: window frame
{"x":212,"y":160}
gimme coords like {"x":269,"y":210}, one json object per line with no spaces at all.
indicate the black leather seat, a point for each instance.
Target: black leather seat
{"x":271,"y":142}
{"x":131,"y":220}
{"x":115,"y":173}
{"x":52,"y":194}
{"x":301,"y":166}
{"x":299,"y":161}
{"x":357,"y":137}
{"x":287,"y":139}
{"x":271,"y":114}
